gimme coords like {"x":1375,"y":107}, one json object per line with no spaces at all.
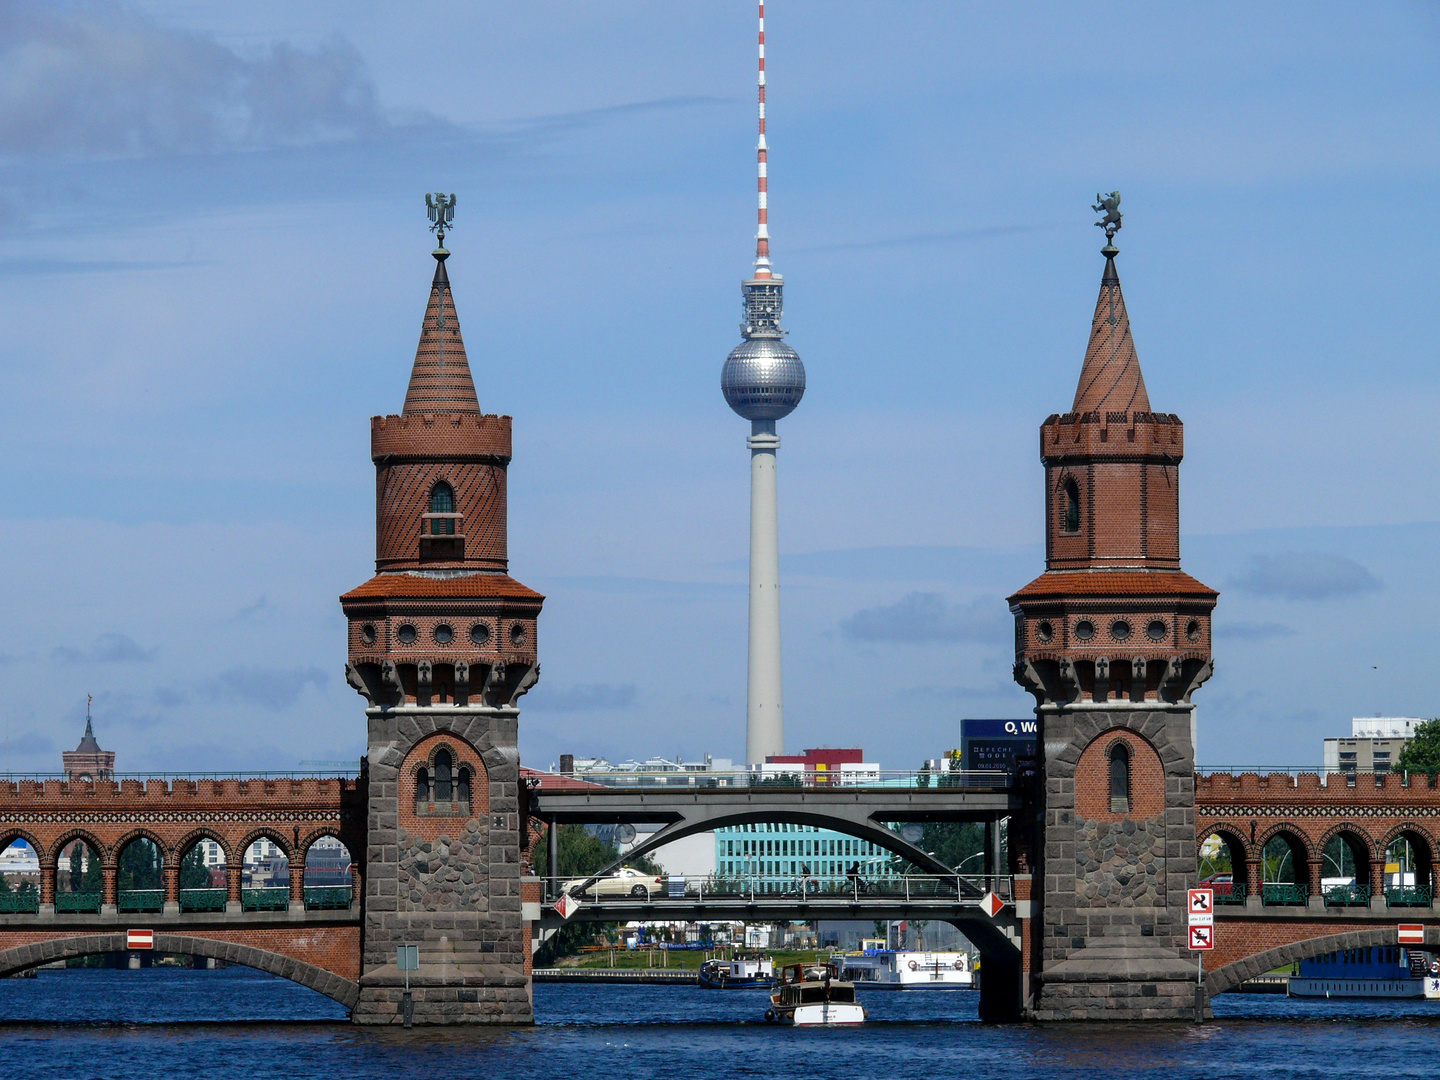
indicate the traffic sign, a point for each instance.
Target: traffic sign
{"x":1202,"y":938}
{"x":991,"y":904}
{"x":567,"y":905}
{"x":1412,"y":933}
{"x":1201,"y":907}
{"x":139,"y":939}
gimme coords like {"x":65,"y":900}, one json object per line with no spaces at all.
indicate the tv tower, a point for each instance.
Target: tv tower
{"x":763,"y":380}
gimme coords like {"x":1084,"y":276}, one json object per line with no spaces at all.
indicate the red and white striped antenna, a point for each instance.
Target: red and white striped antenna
{"x":762,"y":234}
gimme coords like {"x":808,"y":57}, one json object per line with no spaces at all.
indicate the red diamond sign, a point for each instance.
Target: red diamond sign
{"x":991,"y":904}
{"x":139,"y":939}
{"x":567,"y":905}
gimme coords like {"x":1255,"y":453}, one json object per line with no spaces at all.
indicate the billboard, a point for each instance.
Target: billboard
{"x":997,"y":744}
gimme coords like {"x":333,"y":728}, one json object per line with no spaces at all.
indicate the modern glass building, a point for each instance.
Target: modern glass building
{"x":773,"y":854}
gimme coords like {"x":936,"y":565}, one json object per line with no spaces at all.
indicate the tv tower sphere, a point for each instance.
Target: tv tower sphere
{"x":763,"y":378}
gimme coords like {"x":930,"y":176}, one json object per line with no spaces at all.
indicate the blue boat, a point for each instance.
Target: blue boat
{"x":1378,"y":971}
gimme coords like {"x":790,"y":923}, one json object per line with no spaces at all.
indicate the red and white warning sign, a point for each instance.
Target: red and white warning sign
{"x":1202,"y":937}
{"x":1202,"y":907}
{"x":139,"y":939}
{"x":991,"y":904}
{"x":567,"y":905}
{"x":1412,"y":933}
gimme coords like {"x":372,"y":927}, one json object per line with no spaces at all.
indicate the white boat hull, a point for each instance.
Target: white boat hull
{"x":825,"y":1014}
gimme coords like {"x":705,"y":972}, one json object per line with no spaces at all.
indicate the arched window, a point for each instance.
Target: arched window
{"x":442,"y":776}
{"x":422,"y":786}
{"x":442,"y":501}
{"x":462,"y":786}
{"x":1071,"y":492}
{"x":1119,"y":779}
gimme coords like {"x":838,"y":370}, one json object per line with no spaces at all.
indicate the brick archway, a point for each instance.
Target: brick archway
{"x":45,"y":951}
{"x":1233,"y":974}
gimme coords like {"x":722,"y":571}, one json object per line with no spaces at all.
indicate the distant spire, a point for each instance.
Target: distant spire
{"x":762,"y":234}
{"x":440,"y":381}
{"x":88,"y":744}
{"x":1110,"y":378}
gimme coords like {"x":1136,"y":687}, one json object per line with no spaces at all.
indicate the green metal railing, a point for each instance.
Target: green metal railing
{"x":264,"y":899}
{"x":1235,"y":894}
{"x":1284,"y":893}
{"x":85,"y":903}
{"x":1347,"y":896}
{"x":202,"y":899}
{"x":142,"y":900}
{"x":1408,"y":895}
{"x":20,"y":903}
{"x":327,"y":897}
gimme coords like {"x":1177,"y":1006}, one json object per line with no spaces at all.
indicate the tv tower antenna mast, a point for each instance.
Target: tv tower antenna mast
{"x":763,"y":380}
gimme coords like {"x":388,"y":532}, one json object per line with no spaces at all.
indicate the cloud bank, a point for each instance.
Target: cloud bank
{"x":106,"y":649}
{"x":1304,"y":575}
{"x":924,"y":617}
{"x":92,"y":79}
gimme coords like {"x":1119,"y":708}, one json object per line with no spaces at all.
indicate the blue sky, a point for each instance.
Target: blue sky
{"x":214,"y":264}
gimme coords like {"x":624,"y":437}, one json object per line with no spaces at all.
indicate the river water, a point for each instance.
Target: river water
{"x":179,"y":1023}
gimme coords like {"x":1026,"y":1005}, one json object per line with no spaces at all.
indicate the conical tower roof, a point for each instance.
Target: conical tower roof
{"x":440,"y":381}
{"x":88,"y":744}
{"x":1110,"y":380}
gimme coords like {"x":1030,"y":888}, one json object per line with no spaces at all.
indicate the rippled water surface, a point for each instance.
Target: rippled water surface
{"x":168,"y":1022}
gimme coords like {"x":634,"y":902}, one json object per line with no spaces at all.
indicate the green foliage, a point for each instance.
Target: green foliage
{"x":193,"y":873}
{"x":4,"y":886}
{"x":140,"y":866}
{"x":580,"y":852}
{"x":1422,"y":753}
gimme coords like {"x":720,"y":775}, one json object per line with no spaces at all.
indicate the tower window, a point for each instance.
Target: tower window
{"x":1120,"y":779}
{"x":442,"y":776}
{"x":1071,"y":495}
{"x":442,"y":501}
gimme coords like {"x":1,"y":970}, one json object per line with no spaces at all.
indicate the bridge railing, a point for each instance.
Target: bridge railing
{"x":800,"y":778}
{"x":688,"y":890}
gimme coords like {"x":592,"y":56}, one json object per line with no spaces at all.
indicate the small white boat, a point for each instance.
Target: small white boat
{"x":811,"y":995}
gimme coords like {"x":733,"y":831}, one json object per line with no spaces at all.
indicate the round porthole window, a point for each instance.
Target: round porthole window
{"x":1192,"y":630}
{"x":1084,"y":629}
{"x":443,"y":634}
{"x":1044,"y":631}
{"x":367,"y":633}
{"x":406,"y":634}
{"x":517,"y":635}
{"x":1120,"y":630}
{"x":480,"y":634}
{"x":1156,"y":630}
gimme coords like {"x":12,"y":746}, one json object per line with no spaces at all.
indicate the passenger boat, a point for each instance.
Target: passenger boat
{"x":737,"y":974}
{"x":909,"y":970}
{"x":813,"y":995}
{"x":1385,"y":971}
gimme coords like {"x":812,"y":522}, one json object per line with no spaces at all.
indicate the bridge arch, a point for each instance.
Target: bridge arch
{"x":22,"y":957}
{"x":1233,"y":836}
{"x":1420,"y":838}
{"x":275,"y":836}
{"x":113,"y":854}
{"x":204,"y":832}
{"x":708,"y":818}
{"x":1233,"y":974}
{"x":9,"y":835}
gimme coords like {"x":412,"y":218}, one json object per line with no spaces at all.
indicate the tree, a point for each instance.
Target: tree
{"x":140,"y":866}
{"x":194,"y":874}
{"x":1422,"y":753}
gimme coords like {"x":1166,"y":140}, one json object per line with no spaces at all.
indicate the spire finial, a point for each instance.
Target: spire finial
{"x":762,"y":234}
{"x":442,"y":216}
{"x":1109,"y":205}
{"x":89,"y":698}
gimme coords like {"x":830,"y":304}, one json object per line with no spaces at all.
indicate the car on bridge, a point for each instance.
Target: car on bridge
{"x":1223,"y":884}
{"x":623,"y":882}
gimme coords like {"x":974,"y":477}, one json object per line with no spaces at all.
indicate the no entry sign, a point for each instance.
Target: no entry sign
{"x":139,"y":939}
{"x":1412,"y":934}
{"x":1202,"y":938}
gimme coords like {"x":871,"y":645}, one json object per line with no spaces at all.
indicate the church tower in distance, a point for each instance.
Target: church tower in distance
{"x":1112,"y":639}
{"x":442,"y":644}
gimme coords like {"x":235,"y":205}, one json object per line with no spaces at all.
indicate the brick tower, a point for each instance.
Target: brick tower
{"x":1112,"y":640}
{"x":441,"y":646}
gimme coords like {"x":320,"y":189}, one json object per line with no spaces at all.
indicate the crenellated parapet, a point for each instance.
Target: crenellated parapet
{"x":1118,"y":436}
{"x":441,"y":436}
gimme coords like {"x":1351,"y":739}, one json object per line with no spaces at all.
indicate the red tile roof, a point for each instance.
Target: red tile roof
{"x":413,"y":586}
{"x":440,"y":381}
{"x":555,"y":781}
{"x":1062,"y":583}
{"x":1110,"y":380}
